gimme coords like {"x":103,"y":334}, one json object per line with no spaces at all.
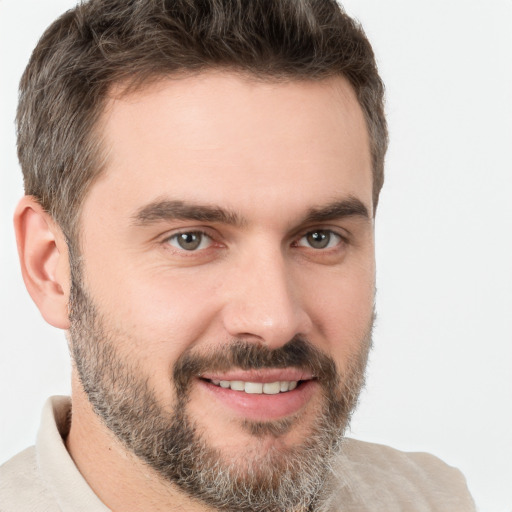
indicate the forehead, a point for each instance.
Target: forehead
{"x":222,"y":138}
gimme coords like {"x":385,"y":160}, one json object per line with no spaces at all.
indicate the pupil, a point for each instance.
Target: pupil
{"x":189,"y":241}
{"x":318,"y":239}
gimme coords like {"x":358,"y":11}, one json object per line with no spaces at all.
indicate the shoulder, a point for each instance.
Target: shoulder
{"x":21,"y":486}
{"x":371,"y":476}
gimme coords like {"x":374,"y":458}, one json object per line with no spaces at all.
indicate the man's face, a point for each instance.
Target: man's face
{"x":227,"y":270}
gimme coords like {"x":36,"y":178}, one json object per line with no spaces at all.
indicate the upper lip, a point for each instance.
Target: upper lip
{"x":260,"y":375}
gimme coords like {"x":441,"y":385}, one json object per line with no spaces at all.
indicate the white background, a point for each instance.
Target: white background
{"x":440,"y":377}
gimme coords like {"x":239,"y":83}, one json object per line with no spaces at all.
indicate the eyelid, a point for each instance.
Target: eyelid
{"x":173,"y":234}
{"x":204,"y":241}
{"x":211,"y":234}
{"x":338,"y":231}
{"x":336,"y":239}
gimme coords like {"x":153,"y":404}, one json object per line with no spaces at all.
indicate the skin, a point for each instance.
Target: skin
{"x":266,"y":153}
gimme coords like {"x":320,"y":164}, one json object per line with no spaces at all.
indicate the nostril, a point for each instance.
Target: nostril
{"x":273,"y":329}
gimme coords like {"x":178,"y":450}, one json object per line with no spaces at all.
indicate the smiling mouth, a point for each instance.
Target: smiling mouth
{"x":257,"y":388}
{"x":262,"y":394}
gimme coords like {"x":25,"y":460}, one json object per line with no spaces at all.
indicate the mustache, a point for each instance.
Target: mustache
{"x":297,"y":353}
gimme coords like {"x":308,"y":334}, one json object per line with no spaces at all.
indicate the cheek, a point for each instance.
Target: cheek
{"x":153,"y":315}
{"x":342,"y":310}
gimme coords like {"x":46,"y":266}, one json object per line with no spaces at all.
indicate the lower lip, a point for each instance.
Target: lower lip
{"x":261,"y":407}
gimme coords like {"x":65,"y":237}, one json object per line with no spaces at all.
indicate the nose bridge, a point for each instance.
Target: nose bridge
{"x":262,"y":301}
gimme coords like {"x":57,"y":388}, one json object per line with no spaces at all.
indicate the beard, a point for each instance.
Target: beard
{"x":278,"y":479}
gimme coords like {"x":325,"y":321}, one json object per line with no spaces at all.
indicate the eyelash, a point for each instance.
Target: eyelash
{"x":331,"y":234}
{"x":323,"y":232}
{"x":175,"y":237}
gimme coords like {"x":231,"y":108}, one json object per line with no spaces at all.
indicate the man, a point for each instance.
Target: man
{"x":202,"y":180}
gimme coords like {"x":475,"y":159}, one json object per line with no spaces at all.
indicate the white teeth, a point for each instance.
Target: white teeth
{"x":271,"y":388}
{"x":257,"y":388}
{"x":237,"y":385}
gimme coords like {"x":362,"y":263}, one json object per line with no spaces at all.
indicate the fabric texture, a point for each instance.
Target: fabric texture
{"x":366,"y":477}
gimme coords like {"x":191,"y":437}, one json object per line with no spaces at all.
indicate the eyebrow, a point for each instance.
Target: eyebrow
{"x":169,"y":210}
{"x":165,"y":210}
{"x":350,"y":207}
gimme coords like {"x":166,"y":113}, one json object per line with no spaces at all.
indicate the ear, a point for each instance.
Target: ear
{"x":43,"y":254}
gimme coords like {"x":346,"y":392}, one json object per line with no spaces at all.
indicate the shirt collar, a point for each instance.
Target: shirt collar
{"x":57,"y":468}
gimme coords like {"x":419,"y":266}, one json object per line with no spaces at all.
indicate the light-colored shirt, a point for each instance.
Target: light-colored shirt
{"x":366,"y":477}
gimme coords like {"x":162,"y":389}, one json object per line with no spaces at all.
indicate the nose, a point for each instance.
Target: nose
{"x":263,"y":302}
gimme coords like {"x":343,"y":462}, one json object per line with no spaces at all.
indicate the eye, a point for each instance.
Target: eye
{"x":190,"y":240}
{"x":320,"y":239}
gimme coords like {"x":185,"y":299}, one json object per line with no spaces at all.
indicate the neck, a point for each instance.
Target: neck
{"x":120,"y":479}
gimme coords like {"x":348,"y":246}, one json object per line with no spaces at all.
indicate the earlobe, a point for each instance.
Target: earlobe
{"x":43,"y":254}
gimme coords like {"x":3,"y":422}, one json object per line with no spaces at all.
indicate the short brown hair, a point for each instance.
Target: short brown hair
{"x":101,"y":43}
